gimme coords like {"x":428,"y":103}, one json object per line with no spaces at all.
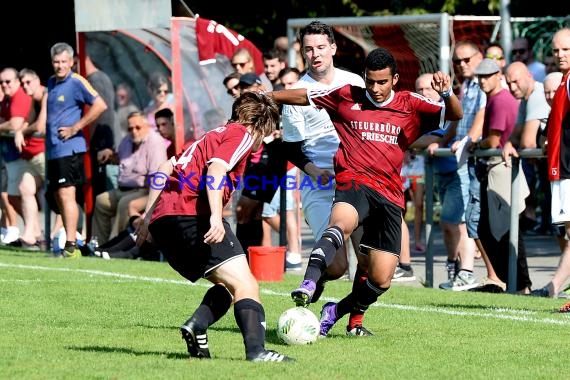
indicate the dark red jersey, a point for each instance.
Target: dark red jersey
{"x":558,"y":133}
{"x":185,"y":190}
{"x":374,"y":137}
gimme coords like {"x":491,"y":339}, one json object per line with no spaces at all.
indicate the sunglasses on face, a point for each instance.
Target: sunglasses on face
{"x":457,"y":61}
{"x":240,"y":64}
{"x":231,"y":90}
{"x":494,"y":56}
{"x":518,"y":51}
{"x":137,"y":127}
{"x":161,"y":91}
{"x":6,"y":81}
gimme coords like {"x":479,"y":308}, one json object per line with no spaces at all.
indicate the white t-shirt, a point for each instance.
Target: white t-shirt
{"x":313,"y":125}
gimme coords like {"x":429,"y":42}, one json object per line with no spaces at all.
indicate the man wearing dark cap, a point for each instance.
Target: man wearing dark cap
{"x":249,"y":82}
{"x":500,"y":119}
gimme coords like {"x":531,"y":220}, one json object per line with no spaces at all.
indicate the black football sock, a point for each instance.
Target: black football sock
{"x":364,"y":295}
{"x":215,"y":305}
{"x":250,"y":318}
{"x":323,"y":253}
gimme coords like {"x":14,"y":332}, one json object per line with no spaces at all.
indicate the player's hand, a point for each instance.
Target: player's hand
{"x":321,"y":176}
{"x":216,"y":232}
{"x":326,"y":177}
{"x":441,"y":82}
{"x":142,"y":232}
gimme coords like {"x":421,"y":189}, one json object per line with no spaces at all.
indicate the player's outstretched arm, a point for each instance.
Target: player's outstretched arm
{"x":294,"y":97}
{"x":442,"y":84}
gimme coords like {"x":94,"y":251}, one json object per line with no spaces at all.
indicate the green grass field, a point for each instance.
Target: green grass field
{"x":119,"y":319}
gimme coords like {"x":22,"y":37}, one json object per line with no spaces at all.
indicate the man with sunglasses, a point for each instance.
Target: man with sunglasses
{"x":242,"y":62}
{"x":15,"y":113}
{"x":139,"y":154}
{"x":522,"y":52}
{"x":466,"y":57}
{"x":31,"y":172}
{"x":231,"y":81}
{"x":495,"y":52}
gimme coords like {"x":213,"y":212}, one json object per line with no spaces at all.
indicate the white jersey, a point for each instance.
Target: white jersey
{"x":313,"y":125}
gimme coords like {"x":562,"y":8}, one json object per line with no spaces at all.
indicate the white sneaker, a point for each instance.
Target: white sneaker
{"x":12,"y":234}
{"x":464,"y":281}
{"x":293,"y":261}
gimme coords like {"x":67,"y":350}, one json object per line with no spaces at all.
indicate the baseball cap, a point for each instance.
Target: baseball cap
{"x":487,"y":67}
{"x":249,"y":79}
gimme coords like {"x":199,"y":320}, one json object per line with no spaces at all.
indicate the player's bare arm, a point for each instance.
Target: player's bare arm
{"x":217,"y":172}
{"x":294,"y":97}
{"x":153,"y":194}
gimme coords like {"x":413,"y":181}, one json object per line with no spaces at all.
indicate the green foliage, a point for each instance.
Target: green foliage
{"x":119,"y":319}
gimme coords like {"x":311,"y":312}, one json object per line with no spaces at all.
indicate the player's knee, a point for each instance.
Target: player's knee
{"x":377,"y":288}
{"x":381,"y":280}
{"x":335,"y":235}
{"x":247,"y":288}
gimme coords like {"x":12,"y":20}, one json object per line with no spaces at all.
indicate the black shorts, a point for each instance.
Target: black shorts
{"x":181,"y":241}
{"x":381,"y":220}
{"x":66,"y":171}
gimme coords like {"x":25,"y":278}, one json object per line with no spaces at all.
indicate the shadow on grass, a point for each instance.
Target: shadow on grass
{"x":270,"y":335}
{"x":129,"y":351}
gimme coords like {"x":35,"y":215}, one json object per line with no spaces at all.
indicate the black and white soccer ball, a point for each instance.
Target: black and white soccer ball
{"x":298,"y":326}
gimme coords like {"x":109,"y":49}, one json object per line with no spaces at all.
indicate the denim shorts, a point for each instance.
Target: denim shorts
{"x":451,"y":198}
{"x":473,"y":211}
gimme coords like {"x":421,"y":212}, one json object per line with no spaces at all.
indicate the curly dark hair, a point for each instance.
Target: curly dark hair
{"x":379,"y":59}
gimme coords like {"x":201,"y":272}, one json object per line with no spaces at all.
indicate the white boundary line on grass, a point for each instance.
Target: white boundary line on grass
{"x":498,"y":313}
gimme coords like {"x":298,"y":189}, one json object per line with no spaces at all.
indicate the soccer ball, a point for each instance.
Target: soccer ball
{"x":297,"y":326}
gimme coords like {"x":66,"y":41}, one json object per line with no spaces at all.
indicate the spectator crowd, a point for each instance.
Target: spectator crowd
{"x":51,"y":132}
